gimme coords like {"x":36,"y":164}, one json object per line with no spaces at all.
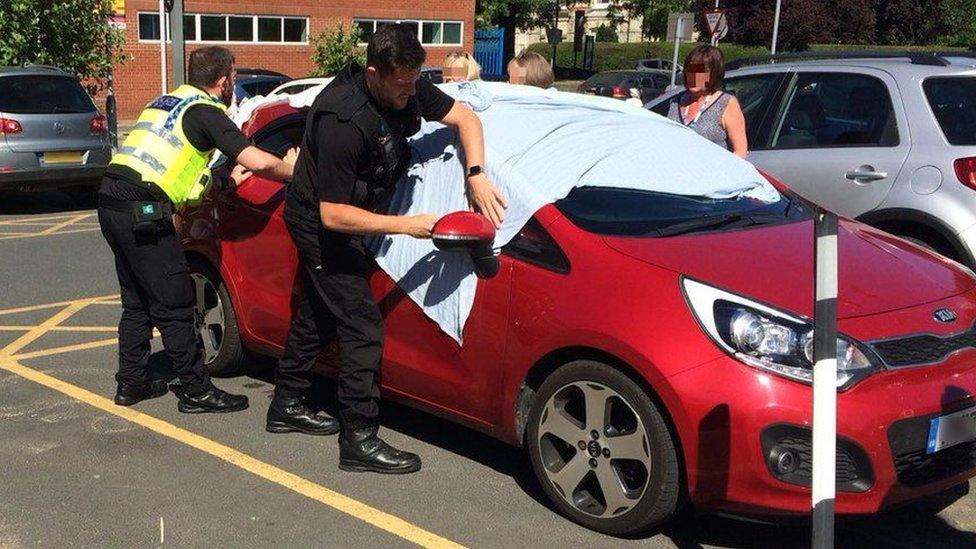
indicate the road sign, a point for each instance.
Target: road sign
{"x":118,"y":7}
{"x":687,"y":28}
{"x":717,"y":22}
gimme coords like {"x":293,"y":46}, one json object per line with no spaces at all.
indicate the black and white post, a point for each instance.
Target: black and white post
{"x":824,"y":379}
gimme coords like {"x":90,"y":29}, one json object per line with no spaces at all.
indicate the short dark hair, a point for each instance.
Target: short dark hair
{"x":711,"y":58}
{"x":208,"y":65}
{"x":395,"y":47}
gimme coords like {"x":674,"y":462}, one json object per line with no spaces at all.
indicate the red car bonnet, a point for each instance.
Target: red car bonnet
{"x":877,"y":272}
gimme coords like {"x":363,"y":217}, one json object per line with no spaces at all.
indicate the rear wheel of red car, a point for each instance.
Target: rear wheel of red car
{"x":602,"y":450}
{"x":215,"y":321}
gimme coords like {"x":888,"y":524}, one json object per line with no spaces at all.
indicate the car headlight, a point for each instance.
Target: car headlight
{"x":769,"y":339}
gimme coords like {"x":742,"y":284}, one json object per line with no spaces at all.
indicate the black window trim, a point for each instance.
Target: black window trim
{"x":558,"y":262}
{"x":781,"y":113}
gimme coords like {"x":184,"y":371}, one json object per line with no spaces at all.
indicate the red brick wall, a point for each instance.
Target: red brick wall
{"x":137,"y":81}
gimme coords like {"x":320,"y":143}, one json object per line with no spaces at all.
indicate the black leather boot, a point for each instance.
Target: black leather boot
{"x":360,"y":450}
{"x":127,"y":395}
{"x":213,"y":400}
{"x":290,"y":414}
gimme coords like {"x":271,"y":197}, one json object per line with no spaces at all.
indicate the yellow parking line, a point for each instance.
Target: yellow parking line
{"x":9,"y":361}
{"x":77,"y":329}
{"x":44,"y":217}
{"x":291,"y":481}
{"x":46,"y":233}
{"x":66,"y":349}
{"x":29,"y":308}
{"x":43,"y":328}
{"x":65,"y":224}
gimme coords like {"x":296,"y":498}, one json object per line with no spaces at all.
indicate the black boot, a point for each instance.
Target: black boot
{"x":127,"y":395}
{"x":290,"y":414}
{"x":213,"y":400}
{"x":360,"y":450}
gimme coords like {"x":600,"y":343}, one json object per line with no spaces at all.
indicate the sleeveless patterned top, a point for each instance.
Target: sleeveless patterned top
{"x":708,"y":123}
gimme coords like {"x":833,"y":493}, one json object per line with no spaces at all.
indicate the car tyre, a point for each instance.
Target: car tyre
{"x":647,"y":473}
{"x":215,"y":321}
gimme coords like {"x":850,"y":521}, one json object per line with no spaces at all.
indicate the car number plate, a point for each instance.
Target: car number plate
{"x":951,"y":429}
{"x":63,"y":157}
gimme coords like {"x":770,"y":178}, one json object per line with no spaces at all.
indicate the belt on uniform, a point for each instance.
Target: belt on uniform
{"x":127,"y":206}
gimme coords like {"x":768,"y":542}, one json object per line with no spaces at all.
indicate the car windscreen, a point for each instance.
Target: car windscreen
{"x":604,"y":79}
{"x":631,"y":212}
{"x":953,"y":101}
{"x":43,"y":94}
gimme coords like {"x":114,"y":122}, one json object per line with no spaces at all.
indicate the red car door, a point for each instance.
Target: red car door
{"x":252,"y":232}
{"x":425,"y":364}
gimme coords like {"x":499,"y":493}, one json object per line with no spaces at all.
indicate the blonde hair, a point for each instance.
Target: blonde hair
{"x":538,"y":73}
{"x":466,"y":61}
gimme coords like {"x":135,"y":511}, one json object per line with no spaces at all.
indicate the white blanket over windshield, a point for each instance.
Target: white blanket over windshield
{"x":539,"y":146}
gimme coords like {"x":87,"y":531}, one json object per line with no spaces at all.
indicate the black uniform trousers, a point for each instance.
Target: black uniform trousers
{"x":335,"y":302}
{"x":156,"y":290}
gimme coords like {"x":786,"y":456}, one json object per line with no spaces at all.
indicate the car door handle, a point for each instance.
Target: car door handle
{"x":865,"y":174}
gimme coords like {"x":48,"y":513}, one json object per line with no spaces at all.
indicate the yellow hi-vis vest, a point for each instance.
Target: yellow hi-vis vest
{"x":159,"y":151}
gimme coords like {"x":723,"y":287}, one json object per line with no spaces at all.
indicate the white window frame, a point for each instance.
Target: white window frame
{"x":420,"y":29}
{"x":254,"y":26}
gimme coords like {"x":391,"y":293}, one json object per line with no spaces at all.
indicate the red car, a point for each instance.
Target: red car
{"x":649,"y":350}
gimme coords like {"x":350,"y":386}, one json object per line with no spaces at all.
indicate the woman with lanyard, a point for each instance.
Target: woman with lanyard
{"x":704,"y":107}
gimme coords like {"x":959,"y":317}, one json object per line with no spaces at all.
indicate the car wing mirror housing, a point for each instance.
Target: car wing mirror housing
{"x":471,"y":233}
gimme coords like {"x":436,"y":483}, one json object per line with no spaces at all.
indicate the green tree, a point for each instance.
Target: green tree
{"x":513,"y":15}
{"x":71,"y":34}
{"x":606,"y":33}
{"x":959,"y":23}
{"x":336,"y":48}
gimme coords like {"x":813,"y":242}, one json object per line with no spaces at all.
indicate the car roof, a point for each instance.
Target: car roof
{"x":33,"y":70}
{"x":897,"y":63}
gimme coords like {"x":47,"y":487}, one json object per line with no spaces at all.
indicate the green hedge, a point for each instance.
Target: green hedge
{"x":614,"y":56}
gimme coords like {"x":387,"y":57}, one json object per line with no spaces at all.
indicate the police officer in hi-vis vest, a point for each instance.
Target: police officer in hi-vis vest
{"x":161,"y":165}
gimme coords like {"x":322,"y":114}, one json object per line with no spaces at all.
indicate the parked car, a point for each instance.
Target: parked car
{"x":297,"y":86}
{"x":656,"y":64}
{"x":51,"y":134}
{"x":254,"y":82}
{"x":888,"y":139}
{"x":433,"y":74}
{"x":647,"y":349}
{"x":617,"y":84}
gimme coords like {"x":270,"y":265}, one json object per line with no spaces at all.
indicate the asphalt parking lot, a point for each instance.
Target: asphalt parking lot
{"x":78,"y":471}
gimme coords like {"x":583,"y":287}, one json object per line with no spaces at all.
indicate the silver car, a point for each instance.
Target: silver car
{"x":886,"y":138}
{"x":51,"y":133}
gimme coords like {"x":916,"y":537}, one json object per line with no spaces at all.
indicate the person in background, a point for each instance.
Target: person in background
{"x":704,"y":107}
{"x":461,"y":66}
{"x":530,"y":69}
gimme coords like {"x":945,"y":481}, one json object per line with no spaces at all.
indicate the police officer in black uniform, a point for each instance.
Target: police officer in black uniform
{"x":353,"y":152}
{"x":135,"y":217}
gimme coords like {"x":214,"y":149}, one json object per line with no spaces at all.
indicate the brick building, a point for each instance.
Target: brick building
{"x":275,"y":35}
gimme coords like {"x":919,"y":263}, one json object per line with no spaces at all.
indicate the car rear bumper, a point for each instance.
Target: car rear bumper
{"x":25,"y":171}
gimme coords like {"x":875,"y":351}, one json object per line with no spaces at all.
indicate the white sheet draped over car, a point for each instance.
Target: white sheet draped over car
{"x":539,"y":146}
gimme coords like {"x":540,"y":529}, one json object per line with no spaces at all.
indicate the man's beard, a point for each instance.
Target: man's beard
{"x":227,"y":95}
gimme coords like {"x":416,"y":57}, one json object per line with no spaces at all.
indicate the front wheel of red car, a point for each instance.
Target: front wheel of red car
{"x":215,"y":321}
{"x":602,"y":450}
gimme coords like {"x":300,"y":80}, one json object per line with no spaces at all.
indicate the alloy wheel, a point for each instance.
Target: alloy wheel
{"x":208,"y":315}
{"x":594,"y":449}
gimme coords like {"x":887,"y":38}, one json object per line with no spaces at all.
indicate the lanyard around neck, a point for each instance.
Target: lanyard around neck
{"x":701,"y":111}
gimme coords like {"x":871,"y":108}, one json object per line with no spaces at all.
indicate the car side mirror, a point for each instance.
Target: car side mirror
{"x":468,"y":232}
